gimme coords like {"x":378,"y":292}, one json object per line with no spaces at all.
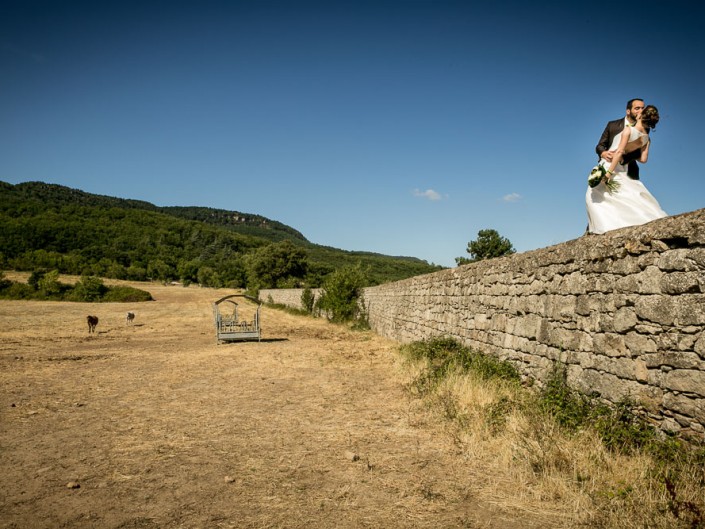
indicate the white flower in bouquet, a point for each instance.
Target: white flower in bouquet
{"x":599,"y":174}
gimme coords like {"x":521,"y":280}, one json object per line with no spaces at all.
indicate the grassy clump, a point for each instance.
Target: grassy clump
{"x":603,"y":463}
{"x":445,"y":356}
{"x":619,"y":426}
{"x":286,"y":308}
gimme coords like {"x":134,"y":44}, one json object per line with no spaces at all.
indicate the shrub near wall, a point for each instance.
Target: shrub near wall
{"x":624,"y":311}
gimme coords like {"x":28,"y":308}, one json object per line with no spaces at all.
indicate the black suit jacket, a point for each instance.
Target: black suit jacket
{"x":611,"y":130}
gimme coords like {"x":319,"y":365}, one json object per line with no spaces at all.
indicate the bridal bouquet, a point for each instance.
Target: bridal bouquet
{"x":599,"y":174}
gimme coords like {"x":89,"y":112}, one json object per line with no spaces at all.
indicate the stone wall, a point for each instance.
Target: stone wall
{"x":624,"y":311}
{"x":290,"y":297}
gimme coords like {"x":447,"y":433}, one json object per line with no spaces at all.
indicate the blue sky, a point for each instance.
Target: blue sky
{"x":398,"y":127}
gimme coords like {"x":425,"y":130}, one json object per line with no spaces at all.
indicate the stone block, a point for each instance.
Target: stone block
{"x":480,"y":321}
{"x":627,"y":266}
{"x":636,"y":246}
{"x":570,"y":340}
{"x":676,"y":260}
{"x":649,"y":329}
{"x":575,"y":283}
{"x":645,"y":282}
{"x":501,"y":322}
{"x":639,"y":344}
{"x":697,"y":257}
{"x":668,"y":341}
{"x":690,"y":310}
{"x":659,"y":246}
{"x":657,"y":378}
{"x":675,"y":359}
{"x":641,"y":371}
{"x":670,"y":426}
{"x":605,"y":283}
{"x":686,"y":381}
{"x":561,"y":308}
{"x":647,"y":259}
{"x":656,"y":309}
{"x":607,"y":385}
{"x":624,"y":368}
{"x":682,"y":283}
{"x":528,"y":326}
{"x":692,"y":407}
{"x":610,"y":344}
{"x":624,"y":319}
{"x":584,"y":305}
{"x":699,"y":345}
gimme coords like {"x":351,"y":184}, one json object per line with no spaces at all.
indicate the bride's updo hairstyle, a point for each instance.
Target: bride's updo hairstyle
{"x":649,"y":116}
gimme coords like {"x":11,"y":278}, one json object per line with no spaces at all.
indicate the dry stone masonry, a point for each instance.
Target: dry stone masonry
{"x":623,"y":311}
{"x":290,"y":297}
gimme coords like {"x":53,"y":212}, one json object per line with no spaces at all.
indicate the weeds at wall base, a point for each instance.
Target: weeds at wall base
{"x":616,"y":466}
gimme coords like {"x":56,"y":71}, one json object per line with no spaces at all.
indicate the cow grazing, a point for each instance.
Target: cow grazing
{"x":130,"y":318}
{"x":92,"y":322}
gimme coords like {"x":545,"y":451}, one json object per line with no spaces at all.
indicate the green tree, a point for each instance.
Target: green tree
{"x":89,"y":288}
{"x":188,"y":269}
{"x":276,"y":265}
{"x":208,"y":277}
{"x":159,"y":270}
{"x":308,"y":299}
{"x":342,"y":294}
{"x":35,"y":277}
{"x":488,"y":245}
{"x":49,"y":284}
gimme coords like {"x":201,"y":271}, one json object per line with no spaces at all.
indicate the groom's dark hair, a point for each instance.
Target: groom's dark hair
{"x":631,"y":102}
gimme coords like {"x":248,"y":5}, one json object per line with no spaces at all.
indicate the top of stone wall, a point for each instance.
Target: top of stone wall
{"x":686,"y":230}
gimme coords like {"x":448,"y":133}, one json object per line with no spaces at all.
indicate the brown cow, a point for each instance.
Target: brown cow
{"x":92,"y":322}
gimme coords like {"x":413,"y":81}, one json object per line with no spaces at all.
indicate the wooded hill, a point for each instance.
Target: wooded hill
{"x":52,"y":227}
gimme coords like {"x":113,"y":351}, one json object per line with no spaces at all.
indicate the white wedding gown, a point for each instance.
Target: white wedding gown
{"x":630,"y":205}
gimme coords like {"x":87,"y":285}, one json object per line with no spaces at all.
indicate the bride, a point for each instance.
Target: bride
{"x":631,"y":204}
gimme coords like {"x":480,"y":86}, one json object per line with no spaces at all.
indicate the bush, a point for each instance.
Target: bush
{"x":126,"y":294}
{"x":4,"y":283}
{"x":569,"y":408}
{"x":89,"y":288}
{"x":341,"y":295}
{"x":49,"y":285}
{"x":18,"y":291}
{"x":308,"y":299}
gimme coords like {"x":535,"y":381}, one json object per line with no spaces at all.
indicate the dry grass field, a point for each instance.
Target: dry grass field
{"x":154,"y":425}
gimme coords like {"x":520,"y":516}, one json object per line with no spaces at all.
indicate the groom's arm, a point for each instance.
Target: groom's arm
{"x":603,"y":144}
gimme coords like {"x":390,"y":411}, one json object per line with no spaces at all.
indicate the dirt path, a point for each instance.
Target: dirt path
{"x":156,"y":426}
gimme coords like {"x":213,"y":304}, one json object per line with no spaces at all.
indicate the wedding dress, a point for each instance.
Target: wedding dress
{"x":630,"y":205}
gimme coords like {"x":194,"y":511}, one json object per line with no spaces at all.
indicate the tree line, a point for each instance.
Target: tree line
{"x":50,"y":227}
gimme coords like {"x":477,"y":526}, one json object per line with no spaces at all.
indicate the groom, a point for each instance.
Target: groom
{"x":634,"y":108}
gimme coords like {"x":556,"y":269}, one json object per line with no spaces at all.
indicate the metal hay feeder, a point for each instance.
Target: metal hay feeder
{"x":236,"y":326}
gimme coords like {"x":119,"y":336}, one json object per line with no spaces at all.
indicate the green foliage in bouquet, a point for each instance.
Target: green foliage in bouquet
{"x":599,"y":174}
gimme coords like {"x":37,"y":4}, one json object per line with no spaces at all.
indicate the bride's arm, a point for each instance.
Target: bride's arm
{"x":645,"y":152}
{"x":619,"y":152}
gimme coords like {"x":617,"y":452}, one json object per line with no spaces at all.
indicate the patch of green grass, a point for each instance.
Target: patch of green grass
{"x":444,"y":356}
{"x":288,"y":309}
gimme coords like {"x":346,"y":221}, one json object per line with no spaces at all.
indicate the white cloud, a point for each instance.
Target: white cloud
{"x":512,"y":197}
{"x":429,"y":194}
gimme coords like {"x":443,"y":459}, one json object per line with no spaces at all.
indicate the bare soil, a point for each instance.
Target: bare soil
{"x":154,"y":425}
